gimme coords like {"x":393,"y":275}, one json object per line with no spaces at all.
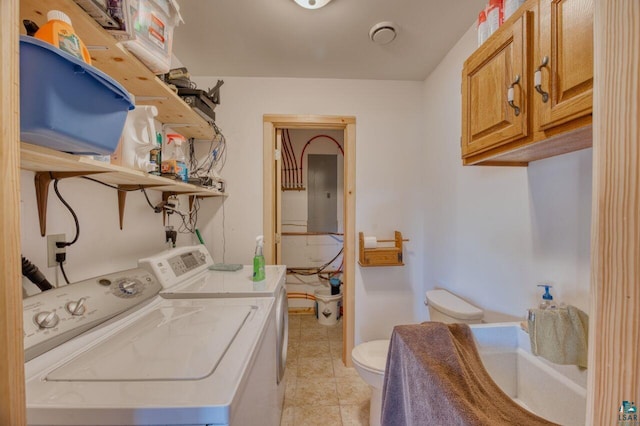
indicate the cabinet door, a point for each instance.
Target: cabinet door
{"x":488,"y":120}
{"x":566,"y":39}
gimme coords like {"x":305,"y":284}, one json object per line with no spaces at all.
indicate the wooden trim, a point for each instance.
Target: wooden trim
{"x":277,"y":169}
{"x":268,"y":192}
{"x":348,"y":276}
{"x":309,"y":121}
{"x":614,"y":326}
{"x":12,"y":389}
{"x":347,"y":124}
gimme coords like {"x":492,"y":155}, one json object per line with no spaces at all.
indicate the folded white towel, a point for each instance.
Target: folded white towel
{"x":560,"y":335}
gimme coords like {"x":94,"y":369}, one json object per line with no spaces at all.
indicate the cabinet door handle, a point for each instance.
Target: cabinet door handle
{"x":537,"y":79}
{"x":516,"y":109}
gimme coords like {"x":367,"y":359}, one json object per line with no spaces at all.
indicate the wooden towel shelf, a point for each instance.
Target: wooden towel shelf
{"x":382,"y":256}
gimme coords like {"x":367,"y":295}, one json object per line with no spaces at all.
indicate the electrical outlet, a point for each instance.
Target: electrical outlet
{"x":52,"y":250}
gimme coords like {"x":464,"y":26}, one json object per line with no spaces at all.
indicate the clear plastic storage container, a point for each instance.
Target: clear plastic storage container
{"x":147,"y":31}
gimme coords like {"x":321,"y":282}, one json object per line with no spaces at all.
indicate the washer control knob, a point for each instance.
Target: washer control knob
{"x":76,"y":307}
{"x":128,"y":287}
{"x":47,"y":319}
{"x":203,"y":258}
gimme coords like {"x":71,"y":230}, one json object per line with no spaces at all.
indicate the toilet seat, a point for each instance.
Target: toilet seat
{"x":372,"y":356}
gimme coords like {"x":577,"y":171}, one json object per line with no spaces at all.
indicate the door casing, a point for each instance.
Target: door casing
{"x":271,"y":204}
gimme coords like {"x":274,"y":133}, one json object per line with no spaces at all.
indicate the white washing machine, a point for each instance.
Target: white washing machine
{"x":184,"y":273}
{"x":147,"y":360}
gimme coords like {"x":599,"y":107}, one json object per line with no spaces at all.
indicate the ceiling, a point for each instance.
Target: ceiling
{"x":278,"y":38}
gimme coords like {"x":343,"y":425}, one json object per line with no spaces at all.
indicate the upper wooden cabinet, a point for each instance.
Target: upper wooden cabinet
{"x":566,"y":49}
{"x":527,"y":91}
{"x":498,"y":70}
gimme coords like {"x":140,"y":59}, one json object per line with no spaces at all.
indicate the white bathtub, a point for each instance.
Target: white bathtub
{"x":555,"y":392}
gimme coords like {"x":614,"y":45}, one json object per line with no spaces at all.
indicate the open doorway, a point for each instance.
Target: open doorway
{"x":306,"y":198}
{"x":312,"y":222}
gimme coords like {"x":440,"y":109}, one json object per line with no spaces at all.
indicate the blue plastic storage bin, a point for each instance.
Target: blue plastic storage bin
{"x":66,"y":104}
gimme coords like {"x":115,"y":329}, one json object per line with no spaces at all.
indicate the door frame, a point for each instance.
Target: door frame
{"x":12,"y":386}
{"x":271,"y":167}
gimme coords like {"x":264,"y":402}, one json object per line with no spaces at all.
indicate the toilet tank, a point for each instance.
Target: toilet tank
{"x":449,"y":308}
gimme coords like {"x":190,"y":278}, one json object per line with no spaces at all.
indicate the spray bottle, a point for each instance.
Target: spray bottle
{"x":258,"y":260}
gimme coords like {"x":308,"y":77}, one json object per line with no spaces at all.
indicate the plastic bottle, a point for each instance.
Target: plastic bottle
{"x":547,"y":298}
{"x":483,"y":28}
{"x":59,"y":32}
{"x":155,"y":156}
{"x":494,"y":15}
{"x":139,"y":138}
{"x":258,"y":260}
{"x":173,"y":158}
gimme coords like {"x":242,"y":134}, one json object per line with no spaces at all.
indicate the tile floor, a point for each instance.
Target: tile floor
{"x":320,"y":390}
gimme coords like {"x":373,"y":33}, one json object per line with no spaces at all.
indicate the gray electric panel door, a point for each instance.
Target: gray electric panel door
{"x":322,"y":200}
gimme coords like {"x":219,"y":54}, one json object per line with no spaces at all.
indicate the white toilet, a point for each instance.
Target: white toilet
{"x":370,"y":358}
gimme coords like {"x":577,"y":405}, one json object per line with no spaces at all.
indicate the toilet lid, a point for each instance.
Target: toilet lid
{"x":372,"y":355}
{"x":452,"y":305}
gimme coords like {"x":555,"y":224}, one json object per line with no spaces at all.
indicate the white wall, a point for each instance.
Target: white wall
{"x":493,"y":233}
{"x":389,"y":161}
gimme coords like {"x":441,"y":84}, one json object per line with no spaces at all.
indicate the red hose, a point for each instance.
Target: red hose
{"x":311,"y":140}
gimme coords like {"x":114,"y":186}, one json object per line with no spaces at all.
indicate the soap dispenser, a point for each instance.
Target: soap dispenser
{"x":547,"y":298}
{"x":258,"y":260}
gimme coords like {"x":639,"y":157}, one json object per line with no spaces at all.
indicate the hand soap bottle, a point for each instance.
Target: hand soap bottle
{"x":547,"y":298}
{"x":258,"y":260}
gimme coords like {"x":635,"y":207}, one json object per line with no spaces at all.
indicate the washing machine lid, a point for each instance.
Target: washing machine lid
{"x":229,"y":284}
{"x":372,"y":355}
{"x":168,"y":343}
{"x":452,"y":305}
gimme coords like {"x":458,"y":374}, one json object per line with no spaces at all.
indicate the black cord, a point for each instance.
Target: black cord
{"x":64,"y":274}
{"x":190,"y":226}
{"x":140,"y":188}
{"x":75,"y":218}
{"x":147,"y":198}
{"x":32,"y":272}
{"x":112,"y":186}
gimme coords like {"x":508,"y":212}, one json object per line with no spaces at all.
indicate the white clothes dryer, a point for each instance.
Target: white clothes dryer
{"x":184,"y":273}
{"x":146,"y":360}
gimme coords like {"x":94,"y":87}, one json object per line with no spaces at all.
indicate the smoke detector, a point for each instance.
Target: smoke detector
{"x":383,"y":32}
{"x":312,"y":4}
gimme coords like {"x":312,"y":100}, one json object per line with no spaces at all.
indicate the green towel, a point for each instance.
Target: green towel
{"x":560,"y":335}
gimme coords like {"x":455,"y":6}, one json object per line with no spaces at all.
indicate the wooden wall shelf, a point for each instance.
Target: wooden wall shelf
{"x":51,"y":164}
{"x":112,"y":58}
{"x":381,"y":256}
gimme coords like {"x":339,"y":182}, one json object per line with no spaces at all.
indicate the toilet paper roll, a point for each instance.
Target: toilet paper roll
{"x":370,"y":242}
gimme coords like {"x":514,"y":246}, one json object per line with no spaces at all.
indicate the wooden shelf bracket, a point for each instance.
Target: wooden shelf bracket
{"x":122,"y":198}
{"x":42,"y":181}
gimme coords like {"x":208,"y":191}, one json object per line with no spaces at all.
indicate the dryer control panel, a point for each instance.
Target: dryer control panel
{"x":52,"y":317}
{"x":176,"y":265}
